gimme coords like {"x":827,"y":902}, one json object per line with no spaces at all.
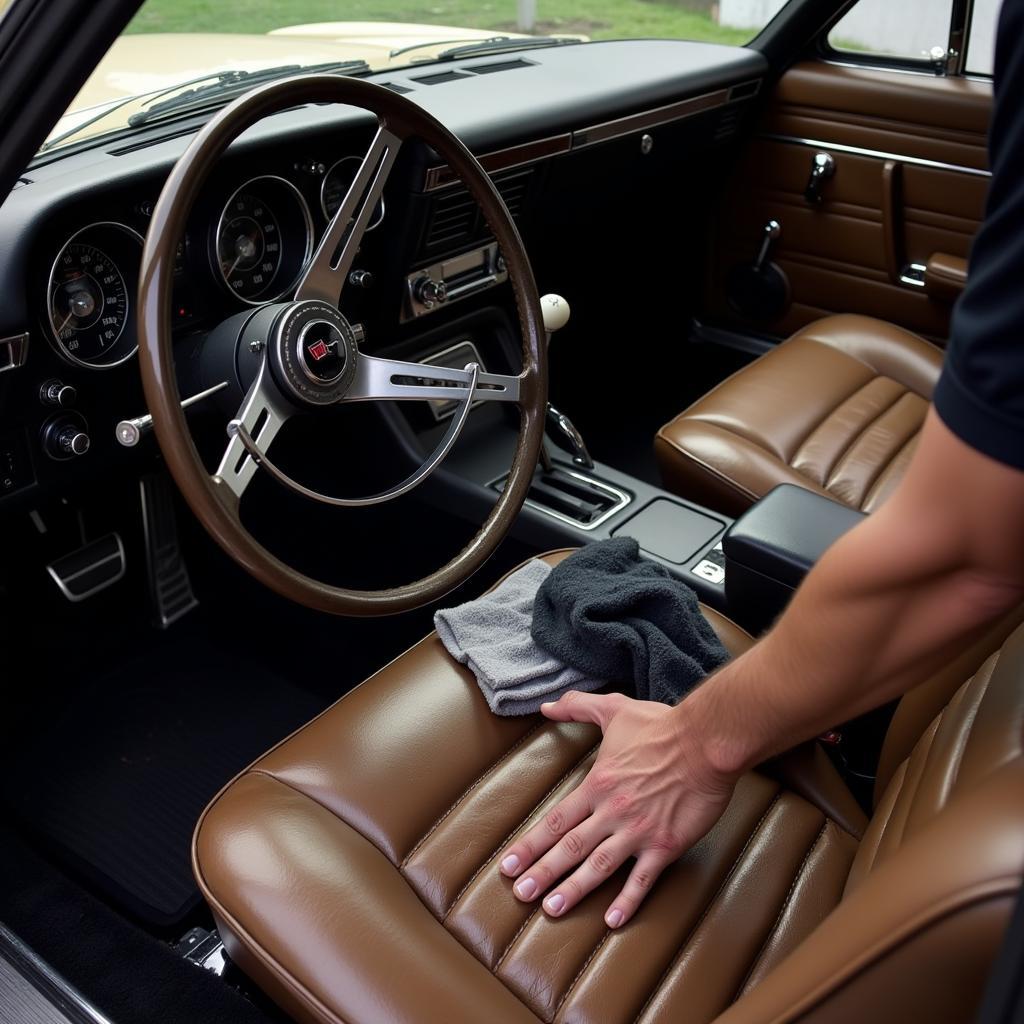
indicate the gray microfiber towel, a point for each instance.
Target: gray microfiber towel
{"x":613,"y":615}
{"x":491,"y":637}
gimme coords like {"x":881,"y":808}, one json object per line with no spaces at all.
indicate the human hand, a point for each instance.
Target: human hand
{"x":650,"y":795}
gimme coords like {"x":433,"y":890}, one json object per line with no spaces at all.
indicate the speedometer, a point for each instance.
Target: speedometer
{"x":88,"y":295}
{"x":264,"y":238}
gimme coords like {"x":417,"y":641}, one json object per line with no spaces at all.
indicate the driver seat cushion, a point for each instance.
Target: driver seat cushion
{"x":353,"y":870}
{"x":837,"y":409}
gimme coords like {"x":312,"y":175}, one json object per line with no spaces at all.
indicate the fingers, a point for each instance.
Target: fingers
{"x":536,"y":842}
{"x":605,"y":859}
{"x":575,"y":706}
{"x":566,"y":854}
{"x":648,"y":867}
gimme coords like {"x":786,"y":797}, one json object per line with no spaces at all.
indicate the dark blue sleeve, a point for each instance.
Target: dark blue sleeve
{"x":980,"y":395}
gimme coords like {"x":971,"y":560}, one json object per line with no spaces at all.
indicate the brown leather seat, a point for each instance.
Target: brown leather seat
{"x":352,"y":870}
{"x":836,"y":409}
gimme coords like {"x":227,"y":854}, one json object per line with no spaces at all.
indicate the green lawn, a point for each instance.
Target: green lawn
{"x":599,"y":19}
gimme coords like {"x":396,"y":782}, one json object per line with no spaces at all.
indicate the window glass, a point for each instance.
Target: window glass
{"x":912,"y":29}
{"x":981,"y":42}
{"x":172,"y":45}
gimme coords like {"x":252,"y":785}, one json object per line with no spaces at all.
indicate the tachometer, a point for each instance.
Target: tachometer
{"x":88,"y":295}
{"x":264,"y":238}
{"x":336,"y":184}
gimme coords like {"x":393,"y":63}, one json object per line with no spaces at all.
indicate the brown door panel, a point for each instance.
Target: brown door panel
{"x":925,"y":116}
{"x":879,"y":213}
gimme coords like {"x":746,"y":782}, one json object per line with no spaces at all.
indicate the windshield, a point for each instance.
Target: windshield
{"x":183,"y":53}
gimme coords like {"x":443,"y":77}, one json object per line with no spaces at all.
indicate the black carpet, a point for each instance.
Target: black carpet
{"x":116,"y":783}
{"x":130,"y":976}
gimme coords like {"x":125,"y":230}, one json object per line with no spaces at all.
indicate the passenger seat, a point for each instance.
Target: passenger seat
{"x":836,"y":408}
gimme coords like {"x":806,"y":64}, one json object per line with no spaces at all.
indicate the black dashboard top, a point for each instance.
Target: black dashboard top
{"x":489,"y":102}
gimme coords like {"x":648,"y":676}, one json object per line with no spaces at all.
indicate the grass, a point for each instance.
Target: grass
{"x":599,"y":19}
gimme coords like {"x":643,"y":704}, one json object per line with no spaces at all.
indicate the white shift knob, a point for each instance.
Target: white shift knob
{"x":555,"y":311}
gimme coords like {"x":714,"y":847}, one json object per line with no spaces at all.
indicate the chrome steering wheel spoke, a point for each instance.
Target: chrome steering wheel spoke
{"x":395,"y":380}
{"x":331,"y":264}
{"x":261,"y":416}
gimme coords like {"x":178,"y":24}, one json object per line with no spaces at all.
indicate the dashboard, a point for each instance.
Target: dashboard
{"x":71,"y":234}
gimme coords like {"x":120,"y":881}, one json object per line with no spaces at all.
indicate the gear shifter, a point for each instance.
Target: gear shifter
{"x":558,"y":426}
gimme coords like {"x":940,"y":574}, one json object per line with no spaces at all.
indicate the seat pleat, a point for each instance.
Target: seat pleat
{"x":485,"y":916}
{"x":998,"y":729}
{"x":594,"y":993}
{"x":817,"y":888}
{"x":947,"y":748}
{"x":820,"y":452}
{"x":875,"y":832}
{"x":448,"y":856}
{"x":867,"y":457}
{"x":892,"y":835}
{"x":711,"y":966}
{"x":890,"y":476}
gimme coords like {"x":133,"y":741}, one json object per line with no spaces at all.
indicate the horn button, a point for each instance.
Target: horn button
{"x":313,"y":353}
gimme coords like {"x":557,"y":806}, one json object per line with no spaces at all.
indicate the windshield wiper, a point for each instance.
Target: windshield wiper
{"x":228,"y":84}
{"x":503,"y":44}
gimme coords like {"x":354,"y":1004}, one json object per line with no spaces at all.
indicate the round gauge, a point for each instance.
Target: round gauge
{"x":337,"y":181}
{"x":264,"y":238}
{"x":87,"y":295}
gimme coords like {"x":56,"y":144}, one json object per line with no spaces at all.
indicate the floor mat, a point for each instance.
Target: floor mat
{"x":116,"y":784}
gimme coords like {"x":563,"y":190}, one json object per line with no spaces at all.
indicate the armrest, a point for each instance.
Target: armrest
{"x":773,"y":545}
{"x":945,"y":276}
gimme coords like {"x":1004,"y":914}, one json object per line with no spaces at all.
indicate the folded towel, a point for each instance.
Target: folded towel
{"x":491,"y":636}
{"x":612,"y":615}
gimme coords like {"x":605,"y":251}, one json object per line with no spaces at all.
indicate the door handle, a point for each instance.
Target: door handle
{"x":823,"y":166}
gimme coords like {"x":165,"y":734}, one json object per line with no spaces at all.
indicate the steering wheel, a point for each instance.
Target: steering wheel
{"x":302,"y":357}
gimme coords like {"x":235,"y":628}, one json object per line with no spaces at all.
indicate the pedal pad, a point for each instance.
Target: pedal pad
{"x":90,"y":569}
{"x":169,"y":585}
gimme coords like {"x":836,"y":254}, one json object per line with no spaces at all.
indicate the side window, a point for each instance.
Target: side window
{"x":981,"y":41}
{"x":914,"y":30}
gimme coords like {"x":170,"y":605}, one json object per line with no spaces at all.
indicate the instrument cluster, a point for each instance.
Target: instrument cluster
{"x":247,"y":244}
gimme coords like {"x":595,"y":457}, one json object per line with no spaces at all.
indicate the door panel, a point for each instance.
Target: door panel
{"x":880,"y":211}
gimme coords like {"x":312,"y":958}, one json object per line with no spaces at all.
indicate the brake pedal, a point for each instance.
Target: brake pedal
{"x":170,"y":588}
{"x":90,"y":569}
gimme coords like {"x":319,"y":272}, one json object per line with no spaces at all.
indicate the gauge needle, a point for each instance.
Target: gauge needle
{"x":63,"y":325}
{"x":238,"y":259}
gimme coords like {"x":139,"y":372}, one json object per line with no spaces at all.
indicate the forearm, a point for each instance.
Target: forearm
{"x":887,"y":605}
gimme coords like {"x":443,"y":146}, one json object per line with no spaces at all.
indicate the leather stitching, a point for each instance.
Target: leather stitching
{"x":579,"y":974}
{"x":782,"y":910}
{"x":469,"y":789}
{"x":519,"y":931}
{"x":505,"y":841}
{"x":707,"y":909}
{"x":831,"y":411}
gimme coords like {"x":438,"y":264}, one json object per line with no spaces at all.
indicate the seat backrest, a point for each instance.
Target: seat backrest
{"x":935,"y":878}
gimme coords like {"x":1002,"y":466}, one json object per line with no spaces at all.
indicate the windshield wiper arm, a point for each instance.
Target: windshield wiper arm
{"x":503,"y":44}
{"x":228,"y":84}
{"x":442,"y":42}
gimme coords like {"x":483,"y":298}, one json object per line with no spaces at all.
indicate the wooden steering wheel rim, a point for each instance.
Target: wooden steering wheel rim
{"x":215,"y":506}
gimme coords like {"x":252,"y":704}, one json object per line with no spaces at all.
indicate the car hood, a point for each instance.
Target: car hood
{"x":140,"y":63}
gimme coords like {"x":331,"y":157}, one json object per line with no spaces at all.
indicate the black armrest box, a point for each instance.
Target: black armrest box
{"x":772,"y":547}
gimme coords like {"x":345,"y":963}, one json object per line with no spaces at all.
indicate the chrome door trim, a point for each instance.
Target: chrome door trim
{"x":918,"y":161}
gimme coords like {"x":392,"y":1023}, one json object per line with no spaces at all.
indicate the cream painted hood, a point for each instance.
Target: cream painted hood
{"x":145,"y":63}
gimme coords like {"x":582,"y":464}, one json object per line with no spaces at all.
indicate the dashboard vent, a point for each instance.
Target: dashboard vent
{"x":394,"y":87}
{"x":455,"y":220}
{"x":504,"y":65}
{"x":440,"y":77}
